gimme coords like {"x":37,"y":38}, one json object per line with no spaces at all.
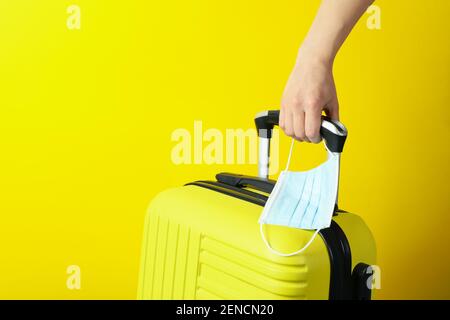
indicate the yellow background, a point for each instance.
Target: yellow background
{"x":86,"y":117}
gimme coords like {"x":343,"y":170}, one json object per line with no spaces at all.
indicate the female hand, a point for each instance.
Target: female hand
{"x":309,"y":91}
{"x":310,"y":88}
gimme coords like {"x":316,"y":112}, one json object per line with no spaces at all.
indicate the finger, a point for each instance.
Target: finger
{"x":313,"y":121}
{"x":332,"y":109}
{"x":288,"y":124}
{"x":281,"y":121}
{"x":299,"y":126}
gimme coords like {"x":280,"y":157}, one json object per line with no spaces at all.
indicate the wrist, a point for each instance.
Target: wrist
{"x":313,"y":56}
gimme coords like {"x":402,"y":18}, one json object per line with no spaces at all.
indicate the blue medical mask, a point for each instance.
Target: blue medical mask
{"x":303,"y":200}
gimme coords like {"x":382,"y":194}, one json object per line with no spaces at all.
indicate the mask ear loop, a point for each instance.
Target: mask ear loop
{"x":263,"y":236}
{"x":290,"y":155}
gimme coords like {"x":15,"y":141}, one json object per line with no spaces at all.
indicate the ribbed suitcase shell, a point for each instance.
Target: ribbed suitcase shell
{"x":203,"y":244}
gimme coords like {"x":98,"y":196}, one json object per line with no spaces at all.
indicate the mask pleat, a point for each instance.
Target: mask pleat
{"x":328,"y":193}
{"x":304,"y":200}
{"x":311,"y":208}
{"x":305,"y":196}
{"x":318,"y":198}
{"x":288,"y":199}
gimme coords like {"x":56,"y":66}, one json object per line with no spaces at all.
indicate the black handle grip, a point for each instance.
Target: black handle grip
{"x":333,"y":132}
{"x":239,"y":180}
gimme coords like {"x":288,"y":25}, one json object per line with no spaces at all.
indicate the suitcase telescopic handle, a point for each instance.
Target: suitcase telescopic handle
{"x":332,"y":132}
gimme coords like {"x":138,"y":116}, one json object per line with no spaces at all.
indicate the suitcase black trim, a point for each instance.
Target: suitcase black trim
{"x":340,"y":262}
{"x":246,"y":195}
{"x":236,"y":189}
{"x":341,"y":282}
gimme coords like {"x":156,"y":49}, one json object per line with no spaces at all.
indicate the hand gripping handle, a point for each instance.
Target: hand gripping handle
{"x":332,"y":132}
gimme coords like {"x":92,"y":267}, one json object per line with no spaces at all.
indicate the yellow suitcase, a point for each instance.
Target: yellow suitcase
{"x":202,"y":241}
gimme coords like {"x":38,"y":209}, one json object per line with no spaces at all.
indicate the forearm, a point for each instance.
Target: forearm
{"x":310,"y":89}
{"x":334,"y":21}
